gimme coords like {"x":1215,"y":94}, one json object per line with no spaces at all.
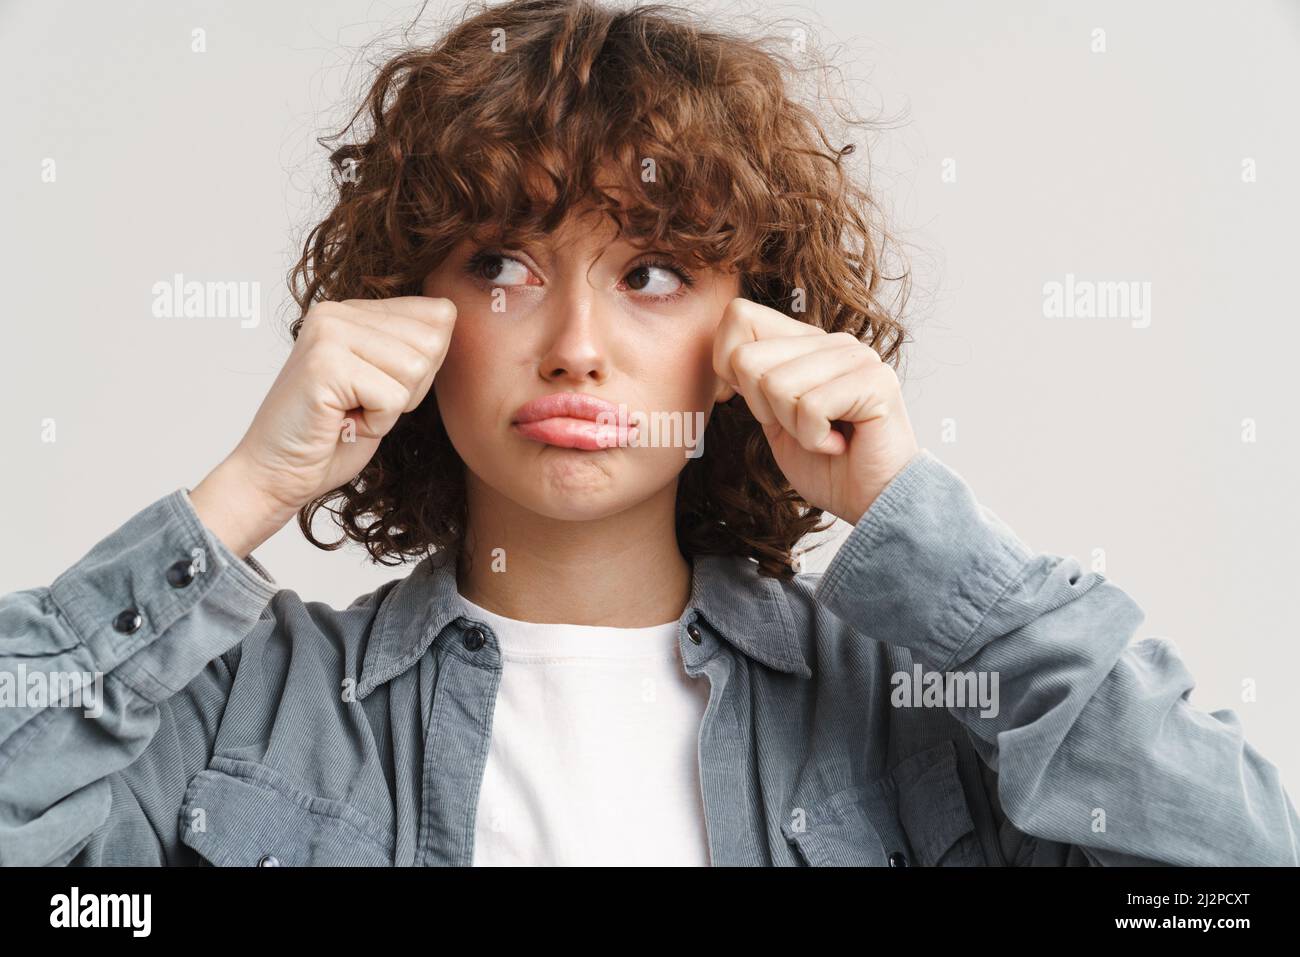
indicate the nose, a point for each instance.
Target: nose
{"x":576,"y":350}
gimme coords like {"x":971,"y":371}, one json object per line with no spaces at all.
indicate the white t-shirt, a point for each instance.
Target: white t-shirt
{"x":594,"y":749}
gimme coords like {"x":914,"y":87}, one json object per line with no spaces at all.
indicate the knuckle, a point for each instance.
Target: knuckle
{"x":737,"y":309}
{"x":431,"y":340}
{"x":327,"y":324}
{"x":745,"y":356}
{"x":311,"y":321}
{"x":414,"y":368}
{"x":775,"y":382}
{"x":440,"y":309}
{"x":326,"y":307}
{"x":813,"y":408}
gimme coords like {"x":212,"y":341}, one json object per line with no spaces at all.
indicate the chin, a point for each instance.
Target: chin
{"x":573,"y":486}
{"x":565,"y":505}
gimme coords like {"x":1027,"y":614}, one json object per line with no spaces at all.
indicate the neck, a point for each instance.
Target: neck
{"x":624,"y":570}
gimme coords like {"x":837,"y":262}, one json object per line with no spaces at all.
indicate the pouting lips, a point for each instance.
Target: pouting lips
{"x":568,"y":420}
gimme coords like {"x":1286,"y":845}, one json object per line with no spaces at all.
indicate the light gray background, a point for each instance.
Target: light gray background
{"x":1080,"y":434}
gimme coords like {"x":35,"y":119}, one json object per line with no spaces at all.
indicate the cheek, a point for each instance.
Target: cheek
{"x":465,"y":378}
{"x":692,"y":373}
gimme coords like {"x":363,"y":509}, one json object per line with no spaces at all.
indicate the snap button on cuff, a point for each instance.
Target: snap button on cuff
{"x":128,"y":622}
{"x":181,"y":573}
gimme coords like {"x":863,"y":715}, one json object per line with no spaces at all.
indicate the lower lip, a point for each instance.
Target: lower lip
{"x":568,"y":433}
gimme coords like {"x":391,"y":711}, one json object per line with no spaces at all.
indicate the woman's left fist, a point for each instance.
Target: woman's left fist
{"x":831,"y":409}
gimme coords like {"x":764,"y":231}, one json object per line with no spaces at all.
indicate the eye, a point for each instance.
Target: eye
{"x":658,"y":279}
{"x":498,"y":268}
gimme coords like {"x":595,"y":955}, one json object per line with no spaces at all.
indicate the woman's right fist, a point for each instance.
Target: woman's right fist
{"x":356,"y":366}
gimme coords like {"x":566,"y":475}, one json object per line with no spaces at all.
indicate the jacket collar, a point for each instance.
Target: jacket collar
{"x":749,"y":611}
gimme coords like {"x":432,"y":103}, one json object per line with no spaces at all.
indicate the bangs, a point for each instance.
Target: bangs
{"x":532,"y":205}
{"x":517,"y":194}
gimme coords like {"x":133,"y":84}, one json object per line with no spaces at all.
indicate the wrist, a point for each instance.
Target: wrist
{"x":231,"y":508}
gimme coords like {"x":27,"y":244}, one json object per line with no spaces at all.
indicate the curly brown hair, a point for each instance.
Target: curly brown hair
{"x":742,"y":177}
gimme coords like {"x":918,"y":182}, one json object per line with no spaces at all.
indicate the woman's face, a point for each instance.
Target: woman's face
{"x":585,"y":313}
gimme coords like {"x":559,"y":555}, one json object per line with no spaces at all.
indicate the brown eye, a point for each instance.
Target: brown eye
{"x":498,"y":268}
{"x":655,"y":279}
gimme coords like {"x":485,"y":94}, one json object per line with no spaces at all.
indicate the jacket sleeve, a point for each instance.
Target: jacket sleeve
{"x":106,"y":716}
{"x":1094,"y":744}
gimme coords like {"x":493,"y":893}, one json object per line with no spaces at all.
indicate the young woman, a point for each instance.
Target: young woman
{"x":594,"y":332}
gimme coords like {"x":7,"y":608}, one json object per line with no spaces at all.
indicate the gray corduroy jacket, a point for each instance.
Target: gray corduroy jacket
{"x":940,"y":695}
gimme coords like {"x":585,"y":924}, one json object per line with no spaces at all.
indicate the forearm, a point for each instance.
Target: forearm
{"x":124,"y":629}
{"x":1093,"y":741}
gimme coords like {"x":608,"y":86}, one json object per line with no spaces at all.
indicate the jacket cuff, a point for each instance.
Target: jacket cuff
{"x":924,"y":565}
{"x":140,"y":568}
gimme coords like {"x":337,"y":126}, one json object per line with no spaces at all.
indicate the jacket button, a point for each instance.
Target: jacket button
{"x":181,"y":574}
{"x":269,"y":860}
{"x":474,"y":639}
{"x":128,"y":621}
{"x":898,"y":859}
{"x":693,"y":632}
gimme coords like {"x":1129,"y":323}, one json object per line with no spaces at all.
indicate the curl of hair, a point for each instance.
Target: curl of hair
{"x":519,"y":113}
